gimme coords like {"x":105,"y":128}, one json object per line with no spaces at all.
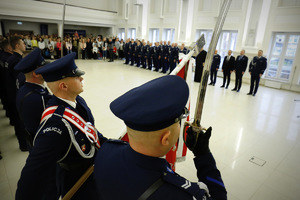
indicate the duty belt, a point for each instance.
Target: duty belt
{"x":85,"y":127}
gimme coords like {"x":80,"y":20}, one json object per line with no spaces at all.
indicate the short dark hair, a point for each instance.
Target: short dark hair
{"x":4,"y":44}
{"x":14,"y":41}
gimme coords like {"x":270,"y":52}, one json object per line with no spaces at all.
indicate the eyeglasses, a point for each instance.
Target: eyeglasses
{"x":184,"y":114}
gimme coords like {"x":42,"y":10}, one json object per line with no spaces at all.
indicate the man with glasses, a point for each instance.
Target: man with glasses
{"x":138,"y":170}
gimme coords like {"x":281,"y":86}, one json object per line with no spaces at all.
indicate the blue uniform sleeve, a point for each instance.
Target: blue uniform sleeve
{"x":208,"y":173}
{"x":38,"y":176}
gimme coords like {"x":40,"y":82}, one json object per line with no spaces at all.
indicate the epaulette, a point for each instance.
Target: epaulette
{"x":198,"y":190}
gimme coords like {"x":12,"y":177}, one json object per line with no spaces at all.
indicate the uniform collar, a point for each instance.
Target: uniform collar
{"x":36,"y":84}
{"x":71,"y":103}
{"x":148,"y":162}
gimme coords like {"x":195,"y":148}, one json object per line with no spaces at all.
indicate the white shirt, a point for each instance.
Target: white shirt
{"x":71,"y":103}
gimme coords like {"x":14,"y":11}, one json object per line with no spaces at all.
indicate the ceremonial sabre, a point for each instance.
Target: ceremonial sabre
{"x":202,"y":88}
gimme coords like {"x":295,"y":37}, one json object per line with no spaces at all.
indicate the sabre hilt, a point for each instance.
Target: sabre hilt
{"x":197,"y":129}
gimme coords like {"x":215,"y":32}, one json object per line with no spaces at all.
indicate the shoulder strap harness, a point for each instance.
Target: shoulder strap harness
{"x":85,"y":127}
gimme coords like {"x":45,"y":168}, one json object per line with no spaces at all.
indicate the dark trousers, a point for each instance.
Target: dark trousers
{"x":132,"y":58}
{"x":213,"y":76}
{"x":226,"y":76}
{"x":150,"y":63}
{"x":165,"y":65}
{"x":172,"y":64}
{"x":138,"y":61}
{"x":127,"y":58}
{"x":111,"y":54}
{"x":83,"y":54}
{"x":144,"y":61}
{"x":254,"y":81}
{"x":238,"y":80}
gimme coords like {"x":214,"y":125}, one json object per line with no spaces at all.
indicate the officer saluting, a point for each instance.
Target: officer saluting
{"x":153,"y":130}
{"x":33,"y":96}
{"x":66,"y":136}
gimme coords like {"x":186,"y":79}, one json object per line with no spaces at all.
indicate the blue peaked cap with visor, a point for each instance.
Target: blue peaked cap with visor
{"x":154,"y":105}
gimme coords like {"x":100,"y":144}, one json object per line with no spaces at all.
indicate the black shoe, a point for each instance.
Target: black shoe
{"x":253,"y":95}
{"x":210,"y":84}
{"x":234,"y":89}
{"x":249,"y":93}
{"x":213,"y":84}
{"x":222,"y":86}
{"x":23,"y":148}
{"x":238,"y":90}
{"x":226,"y":87}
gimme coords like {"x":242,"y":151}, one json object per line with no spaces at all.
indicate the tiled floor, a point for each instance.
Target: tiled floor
{"x":266,"y":126}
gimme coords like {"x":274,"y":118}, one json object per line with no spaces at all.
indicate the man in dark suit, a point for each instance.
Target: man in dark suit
{"x":227,"y":68}
{"x":200,"y":60}
{"x":240,"y":68}
{"x":214,"y":68}
{"x":257,"y":68}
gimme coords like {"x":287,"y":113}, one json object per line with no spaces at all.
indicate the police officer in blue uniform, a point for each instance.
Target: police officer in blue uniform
{"x":65,"y":137}
{"x":239,"y":69}
{"x":138,"y":170}
{"x":6,"y":53}
{"x":144,"y":58}
{"x":14,"y":80}
{"x":132,"y":52}
{"x":138,"y":53}
{"x":150,"y":55}
{"x":33,"y":96}
{"x":127,"y":52}
{"x":214,"y":68}
{"x":157,"y":56}
{"x":165,"y":57}
{"x":257,"y":68}
{"x":173,"y":57}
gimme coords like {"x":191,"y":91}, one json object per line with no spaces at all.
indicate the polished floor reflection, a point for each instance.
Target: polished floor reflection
{"x":266,"y":126}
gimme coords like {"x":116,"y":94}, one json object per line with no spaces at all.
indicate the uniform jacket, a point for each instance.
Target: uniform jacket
{"x":173,"y":54}
{"x":31,"y":102}
{"x":122,"y":173}
{"x":138,"y":50}
{"x":241,"y":63}
{"x":216,"y":62}
{"x":157,"y":51}
{"x":228,"y":65}
{"x":53,"y":145}
{"x":258,"y":66}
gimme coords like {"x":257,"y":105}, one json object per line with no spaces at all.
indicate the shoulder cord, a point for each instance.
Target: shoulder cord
{"x":157,"y":184}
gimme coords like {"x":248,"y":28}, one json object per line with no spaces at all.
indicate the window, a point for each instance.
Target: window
{"x":121,"y":33}
{"x":131,"y":33}
{"x":207,"y":36}
{"x":288,"y":3}
{"x":168,"y":35}
{"x":227,"y":41}
{"x":153,"y":35}
{"x":282,"y":55}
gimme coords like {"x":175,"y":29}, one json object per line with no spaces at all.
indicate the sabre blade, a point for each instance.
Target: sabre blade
{"x":203,"y":84}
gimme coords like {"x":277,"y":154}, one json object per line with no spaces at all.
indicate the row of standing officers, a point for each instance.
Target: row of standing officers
{"x":162,"y":56}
